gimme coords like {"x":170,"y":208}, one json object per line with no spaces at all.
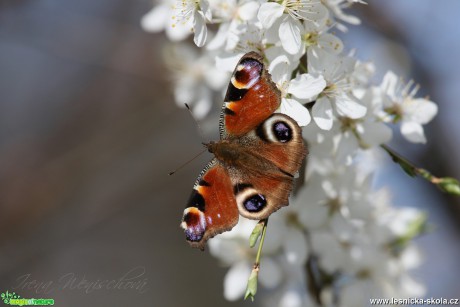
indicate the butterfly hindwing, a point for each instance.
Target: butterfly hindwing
{"x":264,"y":188}
{"x":211,"y":208}
{"x":251,"y":97}
{"x":281,"y":142}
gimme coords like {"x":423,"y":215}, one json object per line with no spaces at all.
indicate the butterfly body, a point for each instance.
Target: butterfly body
{"x":243,"y":156}
{"x":254,"y":161}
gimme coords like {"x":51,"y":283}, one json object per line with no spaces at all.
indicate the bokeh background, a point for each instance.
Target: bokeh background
{"x":89,"y":131}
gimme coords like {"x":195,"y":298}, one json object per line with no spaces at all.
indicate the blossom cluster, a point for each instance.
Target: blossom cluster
{"x":339,"y":242}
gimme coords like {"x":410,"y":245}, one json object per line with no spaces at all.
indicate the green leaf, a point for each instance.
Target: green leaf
{"x":256,"y":233}
{"x":251,"y":288}
{"x":405,"y":165}
{"x":408,"y":169}
{"x":449,"y":185}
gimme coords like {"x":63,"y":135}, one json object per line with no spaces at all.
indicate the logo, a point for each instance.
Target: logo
{"x":11,"y":298}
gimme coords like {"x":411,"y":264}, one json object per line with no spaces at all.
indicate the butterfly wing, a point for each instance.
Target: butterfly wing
{"x":211,"y":208}
{"x":273,"y":153}
{"x":251,"y":97}
{"x":272,"y":149}
{"x":256,"y":159}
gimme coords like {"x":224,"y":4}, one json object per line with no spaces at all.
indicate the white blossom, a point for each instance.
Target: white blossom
{"x":317,"y":36}
{"x":297,"y":91}
{"x":337,"y":8}
{"x":337,"y":95}
{"x":235,"y":28}
{"x":412,"y":112}
{"x":161,"y":18}
{"x":286,"y":18}
{"x":196,"y":13}
{"x":195,"y":78}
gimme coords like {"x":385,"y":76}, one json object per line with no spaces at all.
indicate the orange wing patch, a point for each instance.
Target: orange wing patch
{"x":251,"y":96}
{"x":211,"y":208}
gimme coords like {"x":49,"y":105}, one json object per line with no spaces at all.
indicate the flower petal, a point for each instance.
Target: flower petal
{"x":227,"y":61}
{"x":248,"y":10}
{"x":203,"y":105}
{"x":178,"y":31}
{"x":349,"y":106}
{"x":218,"y":41}
{"x":199,"y":26}
{"x":291,"y":298}
{"x":271,"y":274}
{"x":156,"y":19}
{"x":296,"y":111}
{"x":333,"y":67}
{"x":315,"y":13}
{"x":411,"y":257}
{"x":235,"y":280}
{"x":413,"y":132}
{"x":331,"y":254}
{"x":346,"y":148}
{"x":275,"y":234}
{"x":306,"y":86}
{"x":322,"y":113}
{"x":330,"y":43}
{"x":184,"y":92}
{"x":295,"y":247}
{"x":206,"y":9}
{"x":289,"y":33}
{"x":390,"y":83}
{"x":323,"y":63}
{"x":421,"y":110}
{"x":216,"y":78}
{"x":375,"y":134}
{"x":228,"y":250}
{"x":269,"y":12}
{"x":280,"y":68}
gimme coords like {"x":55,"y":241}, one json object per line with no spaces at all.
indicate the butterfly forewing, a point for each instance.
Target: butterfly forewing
{"x":251,"y":97}
{"x":211,"y":208}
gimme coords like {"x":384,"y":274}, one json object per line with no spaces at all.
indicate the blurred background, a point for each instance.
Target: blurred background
{"x":89,"y":131}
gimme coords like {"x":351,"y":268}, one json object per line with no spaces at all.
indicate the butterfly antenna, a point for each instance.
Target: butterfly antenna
{"x":196,"y":122}
{"x":184,"y":164}
{"x":202,"y":138}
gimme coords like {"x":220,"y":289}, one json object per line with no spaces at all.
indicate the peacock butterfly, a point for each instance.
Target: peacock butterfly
{"x":254,"y":162}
